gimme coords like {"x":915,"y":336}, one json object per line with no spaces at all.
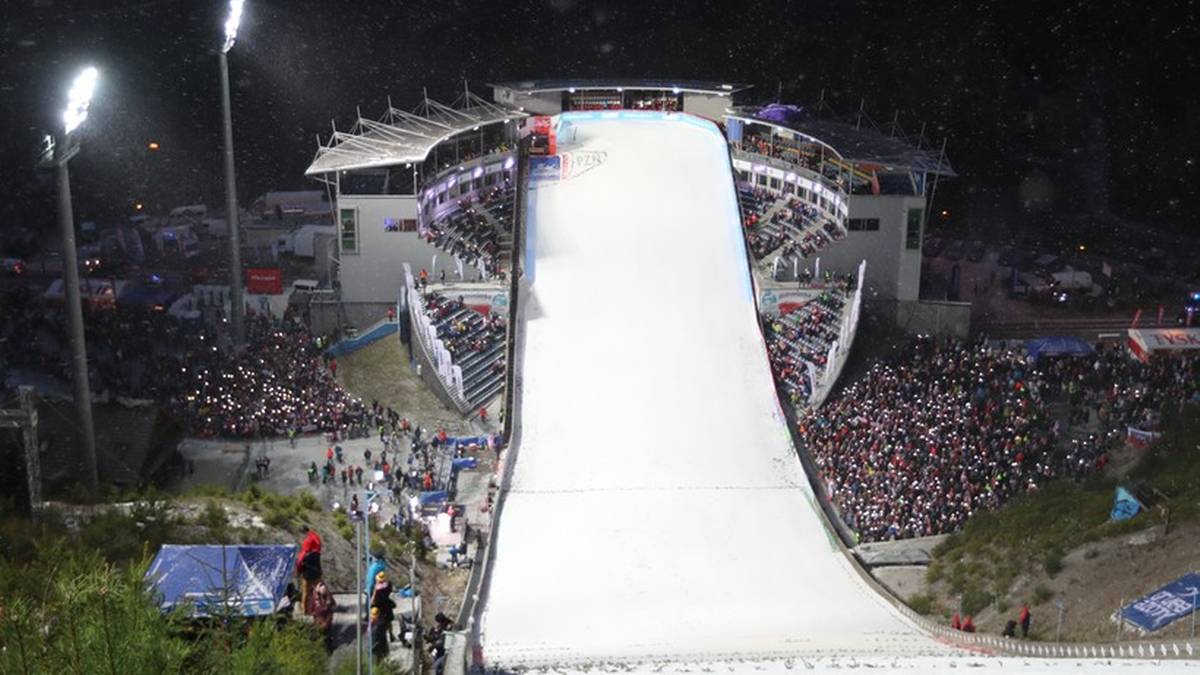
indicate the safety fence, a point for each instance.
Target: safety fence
{"x":377,"y":332}
{"x":426,"y":339}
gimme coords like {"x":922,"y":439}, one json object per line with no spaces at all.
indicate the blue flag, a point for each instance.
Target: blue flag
{"x":1126,"y":505}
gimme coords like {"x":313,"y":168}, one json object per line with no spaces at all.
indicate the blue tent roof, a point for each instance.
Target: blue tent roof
{"x":253,"y":578}
{"x":1057,"y":345}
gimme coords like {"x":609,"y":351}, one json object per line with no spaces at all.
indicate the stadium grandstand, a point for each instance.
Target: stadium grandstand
{"x":664,"y":286}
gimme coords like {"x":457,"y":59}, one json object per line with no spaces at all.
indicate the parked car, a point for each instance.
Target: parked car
{"x":933,"y":247}
{"x":976,"y":251}
{"x":955,"y":250}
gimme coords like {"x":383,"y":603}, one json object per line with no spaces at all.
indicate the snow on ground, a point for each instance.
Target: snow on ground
{"x":658,"y":511}
{"x":658,"y":518}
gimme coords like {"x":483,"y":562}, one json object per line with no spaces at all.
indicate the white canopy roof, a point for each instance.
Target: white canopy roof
{"x":402,"y":137}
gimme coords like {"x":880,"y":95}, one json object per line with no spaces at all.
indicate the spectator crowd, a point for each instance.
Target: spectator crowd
{"x":277,"y":383}
{"x":947,"y":428}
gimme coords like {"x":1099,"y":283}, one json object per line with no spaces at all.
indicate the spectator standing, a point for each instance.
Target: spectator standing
{"x":308,"y":564}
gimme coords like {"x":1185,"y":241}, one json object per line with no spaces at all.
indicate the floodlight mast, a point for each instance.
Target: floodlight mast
{"x":79,"y":99}
{"x":237,"y":306}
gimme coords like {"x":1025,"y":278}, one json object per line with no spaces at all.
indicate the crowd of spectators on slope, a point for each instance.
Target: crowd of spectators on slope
{"x":276,"y":383}
{"x":1118,"y":391}
{"x":926,"y":439}
{"x":947,"y":428}
{"x":800,"y":338}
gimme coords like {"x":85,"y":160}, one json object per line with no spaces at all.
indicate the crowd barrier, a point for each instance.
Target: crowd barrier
{"x":432,"y":348}
{"x":375,"y":333}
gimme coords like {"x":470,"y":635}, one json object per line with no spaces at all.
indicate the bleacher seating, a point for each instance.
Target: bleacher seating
{"x":477,"y":229}
{"x":498,"y":202}
{"x":794,"y":228}
{"x":467,"y":234}
{"x":762,"y":236}
{"x":475,"y":342}
{"x":801,"y":337}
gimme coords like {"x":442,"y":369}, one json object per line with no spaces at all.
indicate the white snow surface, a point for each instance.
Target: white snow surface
{"x":658,"y":514}
{"x":657,"y":509}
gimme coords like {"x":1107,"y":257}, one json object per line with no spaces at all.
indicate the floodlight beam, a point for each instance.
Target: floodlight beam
{"x":231,"y":23}
{"x":79,"y":98}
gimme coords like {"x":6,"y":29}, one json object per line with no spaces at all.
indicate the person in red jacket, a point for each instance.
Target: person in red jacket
{"x":1024,"y":619}
{"x":955,"y":622}
{"x":308,"y":564}
{"x":968,"y":625}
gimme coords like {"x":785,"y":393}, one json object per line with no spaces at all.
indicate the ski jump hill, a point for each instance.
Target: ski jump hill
{"x":657,"y":515}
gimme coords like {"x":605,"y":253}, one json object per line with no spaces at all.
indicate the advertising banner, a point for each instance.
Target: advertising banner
{"x":1140,"y":438}
{"x":1173,"y":601}
{"x":544,"y":168}
{"x":264,"y":280}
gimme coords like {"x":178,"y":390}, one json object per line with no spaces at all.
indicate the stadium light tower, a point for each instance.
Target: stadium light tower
{"x":237,"y":306}
{"x":58,"y":154}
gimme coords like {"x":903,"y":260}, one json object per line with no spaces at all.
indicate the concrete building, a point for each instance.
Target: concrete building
{"x":708,"y":99}
{"x":877,"y":183}
{"x":378,"y":172}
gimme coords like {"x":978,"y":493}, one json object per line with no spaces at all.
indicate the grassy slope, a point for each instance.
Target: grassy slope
{"x":1028,"y":550}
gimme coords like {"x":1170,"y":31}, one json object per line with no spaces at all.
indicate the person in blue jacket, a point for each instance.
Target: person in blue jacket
{"x":378,"y":564}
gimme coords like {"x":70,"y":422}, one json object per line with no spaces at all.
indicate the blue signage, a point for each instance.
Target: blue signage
{"x":1173,"y":601}
{"x":545,"y":168}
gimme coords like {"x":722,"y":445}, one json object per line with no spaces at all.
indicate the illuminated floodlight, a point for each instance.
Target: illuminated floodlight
{"x":232,"y":22}
{"x":674,"y":90}
{"x":79,"y":98}
{"x":477,"y":172}
{"x":508,"y":163}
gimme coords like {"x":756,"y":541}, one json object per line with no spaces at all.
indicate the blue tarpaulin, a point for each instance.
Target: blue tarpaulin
{"x":436,"y":497}
{"x":1125,"y":506}
{"x":251,"y":579}
{"x":1057,"y":345}
{"x":464,"y":463}
{"x":1173,"y":601}
{"x":456,"y":441}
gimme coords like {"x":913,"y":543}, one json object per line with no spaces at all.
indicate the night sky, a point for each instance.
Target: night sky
{"x":1047,"y":106}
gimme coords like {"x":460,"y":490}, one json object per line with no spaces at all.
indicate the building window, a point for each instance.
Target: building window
{"x":774,"y":183}
{"x":349,"y":225}
{"x":863,"y":225}
{"x":399,"y":224}
{"x":912,"y":232}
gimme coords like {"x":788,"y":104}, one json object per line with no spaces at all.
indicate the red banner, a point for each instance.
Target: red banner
{"x":264,"y":280}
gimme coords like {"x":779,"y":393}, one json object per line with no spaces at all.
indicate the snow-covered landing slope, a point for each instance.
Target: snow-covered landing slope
{"x":657,"y":509}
